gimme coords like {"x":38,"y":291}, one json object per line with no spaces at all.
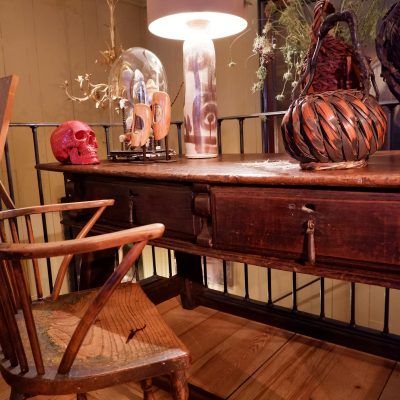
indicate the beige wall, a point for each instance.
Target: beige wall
{"x":46,"y":42}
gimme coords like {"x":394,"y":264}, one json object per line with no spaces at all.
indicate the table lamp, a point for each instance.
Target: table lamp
{"x":197,"y":22}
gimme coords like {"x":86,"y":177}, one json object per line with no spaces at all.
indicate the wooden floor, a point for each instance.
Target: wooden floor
{"x":237,"y":359}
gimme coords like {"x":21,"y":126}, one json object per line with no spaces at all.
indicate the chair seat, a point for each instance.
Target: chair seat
{"x":128,"y":338}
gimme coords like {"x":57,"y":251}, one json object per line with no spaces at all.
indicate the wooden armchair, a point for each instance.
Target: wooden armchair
{"x":87,"y":340}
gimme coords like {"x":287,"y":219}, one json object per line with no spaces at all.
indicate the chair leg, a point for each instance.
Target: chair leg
{"x":18,"y":396}
{"x":147,"y":388}
{"x":179,"y":386}
{"x":81,"y":396}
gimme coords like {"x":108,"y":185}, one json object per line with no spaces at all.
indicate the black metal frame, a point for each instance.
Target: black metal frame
{"x":348,"y":334}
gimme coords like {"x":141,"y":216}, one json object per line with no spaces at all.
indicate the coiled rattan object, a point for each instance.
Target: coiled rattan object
{"x":388,"y":48}
{"x":339,"y":128}
{"x":336,"y":64}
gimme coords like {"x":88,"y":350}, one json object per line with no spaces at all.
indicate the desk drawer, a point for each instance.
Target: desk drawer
{"x":355,"y":226}
{"x":139,"y":203}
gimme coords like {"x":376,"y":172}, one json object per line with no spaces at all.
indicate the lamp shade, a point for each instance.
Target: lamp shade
{"x":179,"y":19}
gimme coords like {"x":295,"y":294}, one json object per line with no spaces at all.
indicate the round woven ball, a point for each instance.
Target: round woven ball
{"x":333,"y":127}
{"x":388,"y":49}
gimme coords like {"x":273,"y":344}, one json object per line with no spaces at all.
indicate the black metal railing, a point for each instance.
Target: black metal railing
{"x":392,"y":142}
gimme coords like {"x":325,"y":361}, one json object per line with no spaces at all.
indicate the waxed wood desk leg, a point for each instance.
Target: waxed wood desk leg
{"x":190,"y":270}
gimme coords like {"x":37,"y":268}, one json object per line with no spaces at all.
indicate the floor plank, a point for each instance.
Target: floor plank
{"x":210,"y":333}
{"x":392,"y":388}
{"x":225,"y":367}
{"x":169,"y":305}
{"x":4,"y":390}
{"x":306,"y":368}
{"x":130,"y":391}
{"x":181,"y":320}
{"x":243,"y":360}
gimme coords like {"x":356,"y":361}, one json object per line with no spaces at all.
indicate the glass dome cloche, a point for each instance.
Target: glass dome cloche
{"x":134,"y":76}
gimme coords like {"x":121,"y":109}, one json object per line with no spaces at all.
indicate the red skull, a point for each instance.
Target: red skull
{"x":74,"y":142}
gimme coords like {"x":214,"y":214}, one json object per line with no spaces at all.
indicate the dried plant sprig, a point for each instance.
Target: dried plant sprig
{"x":368,"y":13}
{"x":290,"y":23}
{"x":114,"y":48}
{"x":98,"y":92}
{"x":231,"y":62}
{"x":264,"y":46}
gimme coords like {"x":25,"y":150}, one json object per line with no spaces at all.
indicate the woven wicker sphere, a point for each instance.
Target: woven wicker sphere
{"x":334,"y":127}
{"x":388,"y":49}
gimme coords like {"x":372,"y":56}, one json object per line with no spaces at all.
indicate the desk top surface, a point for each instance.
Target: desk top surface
{"x":383,"y":170}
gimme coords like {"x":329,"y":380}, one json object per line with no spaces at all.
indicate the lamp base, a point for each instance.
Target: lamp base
{"x":200,"y":110}
{"x":199,"y":155}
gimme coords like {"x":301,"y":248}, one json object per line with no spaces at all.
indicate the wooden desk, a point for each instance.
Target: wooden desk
{"x":260,"y":210}
{"x":256,"y":209}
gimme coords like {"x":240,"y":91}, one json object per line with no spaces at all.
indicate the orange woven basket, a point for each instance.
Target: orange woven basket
{"x":338,"y":128}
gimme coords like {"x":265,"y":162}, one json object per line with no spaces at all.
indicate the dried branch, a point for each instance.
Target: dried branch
{"x":99,"y":93}
{"x":114,"y":48}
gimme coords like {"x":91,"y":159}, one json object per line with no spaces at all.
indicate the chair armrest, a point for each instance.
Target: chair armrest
{"x":26,"y":212}
{"x":84,"y":245}
{"x":20,"y":212}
